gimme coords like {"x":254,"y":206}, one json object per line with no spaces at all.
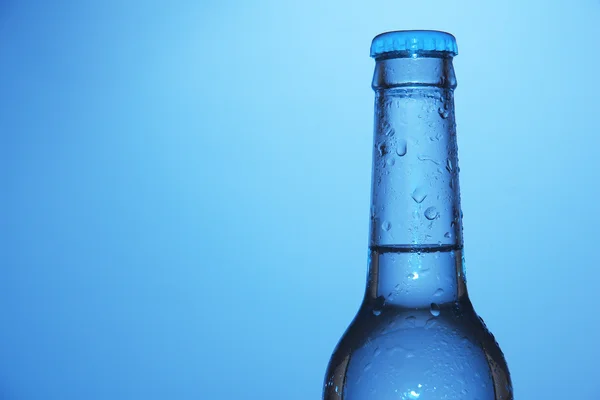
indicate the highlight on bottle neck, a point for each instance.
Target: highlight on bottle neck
{"x":414,"y":58}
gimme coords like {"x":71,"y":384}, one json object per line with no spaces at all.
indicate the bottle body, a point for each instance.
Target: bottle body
{"x":416,"y":334}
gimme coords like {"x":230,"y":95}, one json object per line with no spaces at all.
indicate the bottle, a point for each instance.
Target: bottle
{"x":416,"y":334}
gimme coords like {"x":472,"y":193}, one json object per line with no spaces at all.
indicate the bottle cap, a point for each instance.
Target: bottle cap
{"x":413,"y":42}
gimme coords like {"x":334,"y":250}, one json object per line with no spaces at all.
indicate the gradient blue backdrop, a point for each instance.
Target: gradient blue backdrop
{"x":185,"y":191}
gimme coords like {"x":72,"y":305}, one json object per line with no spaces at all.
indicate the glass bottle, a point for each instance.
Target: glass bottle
{"x":416,"y":334}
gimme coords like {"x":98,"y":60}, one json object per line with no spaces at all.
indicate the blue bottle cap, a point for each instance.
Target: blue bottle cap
{"x":414,"y":42}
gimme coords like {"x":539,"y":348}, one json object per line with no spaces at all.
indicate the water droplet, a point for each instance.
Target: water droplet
{"x":423,"y":157}
{"x":411,"y":321}
{"x":389,"y":131}
{"x":482,"y":322}
{"x":390,"y":162}
{"x":376,"y":352}
{"x":443,"y":112}
{"x":449,"y":165}
{"x":373,"y":213}
{"x":430,"y":323}
{"x":382,"y":149}
{"x":447,"y":235}
{"x":419,"y":194}
{"x":431,"y":213}
{"x":378,"y":306}
{"x":438,"y":292}
{"x":367,"y":367}
{"x":413,"y":275}
{"x":386,"y":226}
{"x":401,"y":147}
{"x":434,"y":309}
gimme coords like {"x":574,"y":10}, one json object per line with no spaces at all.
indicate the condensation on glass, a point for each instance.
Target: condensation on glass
{"x":416,"y":334}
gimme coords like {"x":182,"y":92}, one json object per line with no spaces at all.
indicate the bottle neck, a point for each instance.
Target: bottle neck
{"x":416,"y":222}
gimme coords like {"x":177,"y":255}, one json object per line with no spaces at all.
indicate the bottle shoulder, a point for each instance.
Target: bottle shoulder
{"x":458,"y":320}
{"x":445,"y":350}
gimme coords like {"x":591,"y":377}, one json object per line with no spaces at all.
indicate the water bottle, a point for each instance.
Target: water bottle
{"x":416,"y":334}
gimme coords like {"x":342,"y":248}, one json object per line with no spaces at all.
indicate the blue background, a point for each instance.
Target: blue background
{"x":185,"y":191}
